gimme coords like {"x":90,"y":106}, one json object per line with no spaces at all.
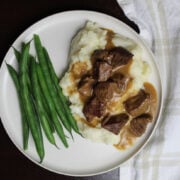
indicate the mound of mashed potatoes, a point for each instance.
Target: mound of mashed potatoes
{"x":90,"y":38}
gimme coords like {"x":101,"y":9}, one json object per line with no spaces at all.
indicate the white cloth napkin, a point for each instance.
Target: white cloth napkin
{"x":159,"y":23}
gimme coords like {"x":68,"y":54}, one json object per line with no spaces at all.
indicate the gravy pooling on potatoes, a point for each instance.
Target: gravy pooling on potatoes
{"x":105,"y":87}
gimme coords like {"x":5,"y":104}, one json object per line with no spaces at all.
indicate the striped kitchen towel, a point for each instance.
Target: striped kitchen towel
{"x":159,"y":23}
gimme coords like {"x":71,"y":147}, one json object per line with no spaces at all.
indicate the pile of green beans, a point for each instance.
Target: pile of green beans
{"x":42,"y":103}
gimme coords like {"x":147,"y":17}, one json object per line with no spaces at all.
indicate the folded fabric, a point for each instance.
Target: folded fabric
{"x":159,"y":24}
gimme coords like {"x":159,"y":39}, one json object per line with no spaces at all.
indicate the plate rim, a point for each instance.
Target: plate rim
{"x":158,"y":116}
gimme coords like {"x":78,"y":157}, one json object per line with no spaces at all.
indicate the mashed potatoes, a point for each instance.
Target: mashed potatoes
{"x":88,"y":39}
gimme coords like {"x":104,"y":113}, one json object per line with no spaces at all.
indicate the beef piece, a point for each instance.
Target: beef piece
{"x":115,"y":123}
{"x":116,"y":57}
{"x":119,"y":56}
{"x":105,"y":91}
{"x":101,"y":55}
{"x":121,"y":80}
{"x":94,"y":108}
{"x":138,"y":125}
{"x":102,"y":71}
{"x":85,"y":86}
{"x":137,"y":104}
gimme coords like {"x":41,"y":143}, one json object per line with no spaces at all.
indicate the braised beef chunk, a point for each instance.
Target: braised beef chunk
{"x":85,"y":86}
{"x":137,"y":104}
{"x":119,"y":56}
{"x":101,"y":55}
{"x":105,"y":85}
{"x":121,"y":80}
{"x":94,"y":108}
{"x":138,"y":125}
{"x":105,"y":91}
{"x":102,"y":71}
{"x":146,"y":116}
{"x":115,"y":123}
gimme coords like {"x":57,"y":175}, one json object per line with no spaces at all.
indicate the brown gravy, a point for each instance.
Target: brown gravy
{"x":92,"y":124}
{"x":153,"y":97}
{"x":127,"y":139}
{"x":125,"y":69}
{"x":80,"y":68}
{"x":109,"y":36}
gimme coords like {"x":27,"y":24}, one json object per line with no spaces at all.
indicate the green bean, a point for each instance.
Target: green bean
{"x":39,"y":104}
{"x":23,"y":45}
{"x":33,"y":121}
{"x":32,"y":118}
{"x":68,"y":111}
{"x":50,"y":66}
{"x":59,"y":90}
{"x":17,"y":54}
{"x":50,"y":103}
{"x":25,"y":127}
{"x":42,"y":61}
{"x":47,"y":112}
{"x":24,"y":59}
{"x":44,"y":103}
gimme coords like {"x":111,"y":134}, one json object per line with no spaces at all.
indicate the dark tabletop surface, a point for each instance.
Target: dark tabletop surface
{"x":15,"y":17}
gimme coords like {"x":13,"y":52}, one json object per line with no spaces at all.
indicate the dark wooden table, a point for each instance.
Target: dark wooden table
{"x":15,"y":17}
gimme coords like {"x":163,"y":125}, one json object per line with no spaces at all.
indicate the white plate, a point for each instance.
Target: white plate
{"x":82,"y":157}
